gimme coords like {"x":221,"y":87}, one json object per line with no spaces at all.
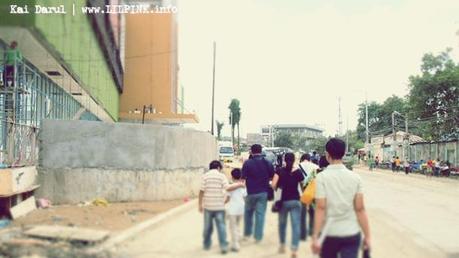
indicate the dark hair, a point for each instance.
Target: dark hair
{"x":336,"y":148}
{"x":215,"y":164}
{"x":236,"y":173}
{"x":289,"y":160}
{"x":256,"y":149}
{"x":323,"y":163}
{"x":305,"y":156}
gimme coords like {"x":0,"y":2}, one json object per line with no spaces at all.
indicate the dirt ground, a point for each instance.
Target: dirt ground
{"x":114,"y":217}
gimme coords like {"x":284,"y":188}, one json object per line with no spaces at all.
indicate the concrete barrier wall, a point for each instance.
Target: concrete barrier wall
{"x":82,"y":160}
{"x":73,"y":185}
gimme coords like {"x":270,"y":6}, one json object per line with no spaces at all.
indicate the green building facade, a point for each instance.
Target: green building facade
{"x":75,"y":42}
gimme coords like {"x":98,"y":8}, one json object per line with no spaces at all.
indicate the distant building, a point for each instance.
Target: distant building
{"x":269,"y":132}
{"x":385,"y":148}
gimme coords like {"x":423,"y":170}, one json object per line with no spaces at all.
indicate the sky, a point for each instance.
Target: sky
{"x":290,"y":61}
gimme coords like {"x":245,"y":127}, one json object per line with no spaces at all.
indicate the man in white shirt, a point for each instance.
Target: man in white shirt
{"x":309,"y":171}
{"x":339,"y":204}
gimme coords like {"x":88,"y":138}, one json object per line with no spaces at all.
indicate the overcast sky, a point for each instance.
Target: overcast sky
{"x":290,"y":61}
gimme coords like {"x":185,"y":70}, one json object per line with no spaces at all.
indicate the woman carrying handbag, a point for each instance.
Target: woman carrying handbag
{"x":289,"y":181}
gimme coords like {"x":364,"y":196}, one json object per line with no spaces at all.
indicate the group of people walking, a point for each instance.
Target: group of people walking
{"x":337,"y":215}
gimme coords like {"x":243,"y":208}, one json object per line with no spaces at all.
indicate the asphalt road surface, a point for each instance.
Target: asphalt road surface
{"x":410,"y":216}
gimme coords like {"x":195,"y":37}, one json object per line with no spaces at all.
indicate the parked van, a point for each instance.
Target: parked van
{"x":226,"y":151}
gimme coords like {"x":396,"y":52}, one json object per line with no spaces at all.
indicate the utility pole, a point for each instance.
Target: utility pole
{"x":367,"y":138}
{"x":406,"y":124}
{"x":393,"y":125}
{"x":340,"y":121}
{"x":347,"y":134}
{"x":407,"y":138}
{"x":393,"y":134}
{"x":213,"y":91}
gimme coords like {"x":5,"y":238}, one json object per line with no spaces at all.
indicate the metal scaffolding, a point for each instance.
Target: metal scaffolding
{"x":25,"y":100}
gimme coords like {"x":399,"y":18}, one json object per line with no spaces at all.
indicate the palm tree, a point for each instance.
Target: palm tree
{"x":219,"y":129}
{"x":235,"y":118}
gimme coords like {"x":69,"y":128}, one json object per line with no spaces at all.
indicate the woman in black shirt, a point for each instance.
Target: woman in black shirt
{"x":289,"y":181}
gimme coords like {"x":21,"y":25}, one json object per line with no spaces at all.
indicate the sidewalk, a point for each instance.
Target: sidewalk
{"x":181,"y":236}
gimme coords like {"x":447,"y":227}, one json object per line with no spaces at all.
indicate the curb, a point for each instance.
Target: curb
{"x":135,"y":230}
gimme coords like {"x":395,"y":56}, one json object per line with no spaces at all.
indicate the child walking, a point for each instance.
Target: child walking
{"x":235,"y":209}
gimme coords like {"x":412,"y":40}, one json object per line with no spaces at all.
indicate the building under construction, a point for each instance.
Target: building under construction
{"x":67,"y":67}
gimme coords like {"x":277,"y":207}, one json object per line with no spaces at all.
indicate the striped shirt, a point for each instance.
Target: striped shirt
{"x":214,"y":185}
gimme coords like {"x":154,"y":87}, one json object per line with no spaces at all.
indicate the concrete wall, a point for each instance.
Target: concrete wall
{"x":82,"y":160}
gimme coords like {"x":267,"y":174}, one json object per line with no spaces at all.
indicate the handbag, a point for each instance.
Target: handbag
{"x":309,"y":193}
{"x":277,"y":206}
{"x":366,"y":253}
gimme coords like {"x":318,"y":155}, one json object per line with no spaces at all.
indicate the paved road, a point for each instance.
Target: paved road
{"x":410,"y":216}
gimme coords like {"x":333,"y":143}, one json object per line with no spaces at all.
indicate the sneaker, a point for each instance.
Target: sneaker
{"x":224,"y":251}
{"x":234,"y":249}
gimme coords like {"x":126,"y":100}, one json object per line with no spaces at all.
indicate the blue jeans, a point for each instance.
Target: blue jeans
{"x":303,"y":220}
{"x":219,"y":217}
{"x":294,"y":208}
{"x":311,"y":219}
{"x":346,"y":247}
{"x":305,"y":229}
{"x":255,"y":204}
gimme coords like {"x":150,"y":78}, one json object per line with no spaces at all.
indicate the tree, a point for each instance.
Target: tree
{"x":300,"y":143}
{"x":318,"y":144}
{"x":283,"y":139}
{"x":432,"y":105}
{"x":219,"y":129}
{"x":434,"y":97}
{"x":354,"y":142}
{"x":235,"y":117}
